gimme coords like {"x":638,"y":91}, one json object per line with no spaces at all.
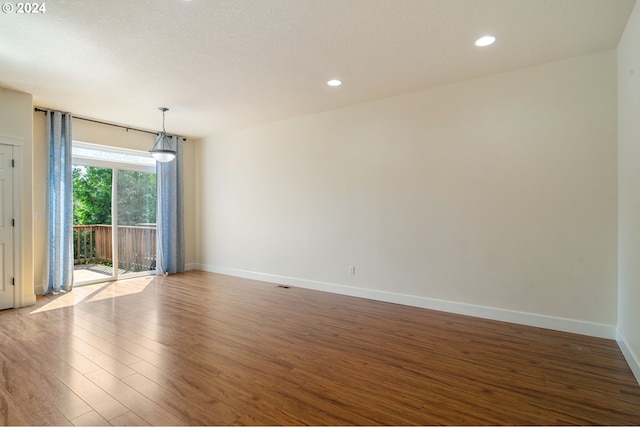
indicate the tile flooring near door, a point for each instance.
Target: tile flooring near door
{"x":202,"y":349}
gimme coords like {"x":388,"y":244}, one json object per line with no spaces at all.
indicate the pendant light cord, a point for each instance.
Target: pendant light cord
{"x":164,"y":110}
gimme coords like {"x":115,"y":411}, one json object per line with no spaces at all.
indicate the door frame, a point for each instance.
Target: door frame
{"x":18,"y":288}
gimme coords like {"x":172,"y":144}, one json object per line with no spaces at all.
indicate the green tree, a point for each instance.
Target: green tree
{"x":91,"y":195}
{"x":136,"y":197}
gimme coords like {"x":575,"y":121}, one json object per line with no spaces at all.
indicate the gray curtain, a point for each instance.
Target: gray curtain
{"x":59,"y":262}
{"x":169,"y":215}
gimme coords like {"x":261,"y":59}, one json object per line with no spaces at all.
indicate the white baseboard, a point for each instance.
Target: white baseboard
{"x":632,"y":358}
{"x":599,"y":330}
{"x":191,"y":266}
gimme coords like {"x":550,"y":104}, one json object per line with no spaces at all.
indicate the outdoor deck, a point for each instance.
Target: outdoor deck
{"x":90,"y":272}
{"x":93,"y":249}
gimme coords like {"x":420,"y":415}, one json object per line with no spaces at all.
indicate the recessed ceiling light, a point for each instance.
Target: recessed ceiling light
{"x":485,"y":41}
{"x":334,"y":82}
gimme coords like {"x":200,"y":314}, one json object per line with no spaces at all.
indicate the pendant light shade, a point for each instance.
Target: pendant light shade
{"x":163,"y":150}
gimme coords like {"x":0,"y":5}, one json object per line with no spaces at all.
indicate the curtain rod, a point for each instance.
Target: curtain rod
{"x":127,"y":128}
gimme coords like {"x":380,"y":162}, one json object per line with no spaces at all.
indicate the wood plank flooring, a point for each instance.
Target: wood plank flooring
{"x":205,"y":349}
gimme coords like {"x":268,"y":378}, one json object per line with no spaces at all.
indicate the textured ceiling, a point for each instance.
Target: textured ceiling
{"x":226,"y":64}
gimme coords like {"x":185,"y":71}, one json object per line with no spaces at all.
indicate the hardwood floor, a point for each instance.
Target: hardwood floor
{"x":202,"y":349}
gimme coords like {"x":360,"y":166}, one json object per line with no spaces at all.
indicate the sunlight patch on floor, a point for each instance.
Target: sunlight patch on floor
{"x":121,"y":289}
{"x":97,"y":292}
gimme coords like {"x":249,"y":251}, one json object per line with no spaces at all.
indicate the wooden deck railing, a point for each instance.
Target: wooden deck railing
{"x":136,"y":246}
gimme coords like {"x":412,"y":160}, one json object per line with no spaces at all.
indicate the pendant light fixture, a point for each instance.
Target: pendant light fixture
{"x":163,"y":150}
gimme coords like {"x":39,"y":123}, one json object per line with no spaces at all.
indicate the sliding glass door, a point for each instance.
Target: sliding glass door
{"x":114,"y":231}
{"x":92,"y":225}
{"x":136,"y":222}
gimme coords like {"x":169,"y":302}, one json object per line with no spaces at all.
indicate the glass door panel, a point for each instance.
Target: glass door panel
{"x":136,"y":215}
{"x":92,"y":224}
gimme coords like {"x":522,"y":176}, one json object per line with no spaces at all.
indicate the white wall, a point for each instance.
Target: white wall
{"x":494,"y":197}
{"x":16,"y":129}
{"x":628,"y":191}
{"x":111,"y":136}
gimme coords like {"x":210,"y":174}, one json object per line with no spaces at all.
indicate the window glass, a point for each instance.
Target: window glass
{"x":100,"y":153}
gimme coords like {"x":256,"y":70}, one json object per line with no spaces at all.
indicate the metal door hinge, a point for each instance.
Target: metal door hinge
{"x":13,"y":222}
{"x":13,"y":281}
{"x":13,"y":163}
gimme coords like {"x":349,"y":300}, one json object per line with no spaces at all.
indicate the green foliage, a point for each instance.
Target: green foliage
{"x":136,"y":197}
{"x":92,"y":196}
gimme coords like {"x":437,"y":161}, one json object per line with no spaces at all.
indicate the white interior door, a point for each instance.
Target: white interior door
{"x":6,"y":227}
